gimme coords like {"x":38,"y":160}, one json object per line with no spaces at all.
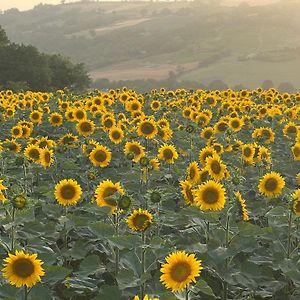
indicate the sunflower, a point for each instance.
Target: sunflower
{"x":136,"y":148}
{"x":155,"y":105}
{"x":136,"y":297}
{"x":296,"y":151}
{"x":248,"y":151}
{"x":167,"y":153}
{"x":186,"y":190}
{"x":56,"y":119}
{"x":108,"y":123}
{"x":105,"y":192}
{"x":16,"y":131}
{"x":154,"y":164}
{"x":193,"y":172}
{"x":2,"y":188}
{"x":23,"y":269}
{"x":205,"y":153}
{"x":12,"y":145}
{"x":139,"y":220}
{"x":116,"y":135}
{"x":236,"y":124}
{"x":271,"y":185}
{"x":36,"y":117}
{"x":216,"y":169}
{"x":100,"y":156}
{"x":296,"y":202}
{"x":46,"y":157}
{"x":68,"y":139}
{"x":210,"y":196}
{"x":67,"y":192}
{"x":79,"y":114}
{"x":85,"y":127}
{"x":207,"y":133}
{"x":298,"y":178}
{"x":147,"y":128}
{"x":243,"y":206}
{"x":290,"y":129}
{"x":32,"y":153}
{"x":180,"y":270}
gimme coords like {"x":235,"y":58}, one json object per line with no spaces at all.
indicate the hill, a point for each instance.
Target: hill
{"x":200,"y":40}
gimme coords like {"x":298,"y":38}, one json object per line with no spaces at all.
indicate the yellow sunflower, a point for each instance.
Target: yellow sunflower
{"x":248,"y":151}
{"x":85,"y":127}
{"x":167,"y":153}
{"x":210,"y":196}
{"x":67,"y":192}
{"x":36,"y":117}
{"x":296,"y":151}
{"x":116,"y":135}
{"x":186,"y":190}
{"x":147,"y":128}
{"x":298,"y":178}
{"x":216,"y":169}
{"x":236,"y":124}
{"x":139,"y":220}
{"x":145,"y":298}
{"x":105,"y":192}
{"x":23,"y":269}
{"x":55,"y":119}
{"x":100,"y":156}
{"x":193,"y":172}
{"x":243,"y":206}
{"x":205,"y":153}
{"x":46,"y":157}
{"x":136,"y":148}
{"x":32,"y":153}
{"x":154,"y":164}
{"x":180,"y":270}
{"x":2,"y":188}
{"x":16,"y":131}
{"x":296,"y":202}
{"x":207,"y":133}
{"x":271,"y":185}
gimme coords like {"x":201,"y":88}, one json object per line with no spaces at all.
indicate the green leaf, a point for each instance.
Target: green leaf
{"x":204,"y":288}
{"x":102,"y":230}
{"x":55,"y":273}
{"x":109,"y":293}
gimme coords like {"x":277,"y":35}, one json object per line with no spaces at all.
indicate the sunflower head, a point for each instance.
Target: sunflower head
{"x":139,"y":220}
{"x":23,"y":269}
{"x":271,"y":185}
{"x":180,"y":270}
{"x":167,"y":153}
{"x":67,"y":192}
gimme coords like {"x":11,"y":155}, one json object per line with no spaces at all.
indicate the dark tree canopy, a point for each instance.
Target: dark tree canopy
{"x":23,"y":67}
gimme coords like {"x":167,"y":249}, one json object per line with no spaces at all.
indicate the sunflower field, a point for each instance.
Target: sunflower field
{"x":184,"y":194}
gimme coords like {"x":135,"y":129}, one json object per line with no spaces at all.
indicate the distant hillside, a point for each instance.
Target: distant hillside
{"x":200,"y":40}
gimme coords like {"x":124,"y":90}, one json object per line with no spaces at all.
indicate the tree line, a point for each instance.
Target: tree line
{"x":23,"y":67}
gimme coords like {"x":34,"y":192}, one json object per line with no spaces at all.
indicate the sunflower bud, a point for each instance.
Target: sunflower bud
{"x":19,"y":201}
{"x":144,"y":161}
{"x":155,"y":197}
{"x":124,"y":202}
{"x":91,"y":175}
{"x":130,"y":156}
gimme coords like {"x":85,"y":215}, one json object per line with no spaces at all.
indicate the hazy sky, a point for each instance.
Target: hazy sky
{"x":24,"y":4}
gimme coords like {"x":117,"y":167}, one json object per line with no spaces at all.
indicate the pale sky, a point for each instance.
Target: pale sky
{"x":25,"y":4}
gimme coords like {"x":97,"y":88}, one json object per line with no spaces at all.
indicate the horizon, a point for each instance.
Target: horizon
{"x":30,"y":4}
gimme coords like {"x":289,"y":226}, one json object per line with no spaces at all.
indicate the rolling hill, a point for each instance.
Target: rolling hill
{"x":200,"y":40}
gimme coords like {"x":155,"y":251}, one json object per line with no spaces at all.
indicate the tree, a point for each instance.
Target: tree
{"x":3,"y":37}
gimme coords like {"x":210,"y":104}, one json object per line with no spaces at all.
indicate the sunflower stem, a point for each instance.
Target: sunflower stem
{"x":186,"y":293}
{"x":117,"y":251}
{"x":25,"y":178}
{"x":25,"y":292}
{"x":289,"y":233}
{"x":143,"y":263}
{"x":65,"y":228}
{"x":225,"y":285}
{"x":12,"y":237}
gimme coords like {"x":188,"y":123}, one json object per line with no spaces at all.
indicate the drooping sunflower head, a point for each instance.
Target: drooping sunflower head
{"x":180,"y":270}
{"x":147,"y":128}
{"x":67,"y":192}
{"x":271,"y":185}
{"x":193,"y":172}
{"x":139,"y":220}
{"x":46,"y":157}
{"x":23,"y":269}
{"x":186,"y":190}
{"x":100,"y":156}
{"x":136,"y":148}
{"x":167,"y":153}
{"x":105,"y":194}
{"x":210,"y":196}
